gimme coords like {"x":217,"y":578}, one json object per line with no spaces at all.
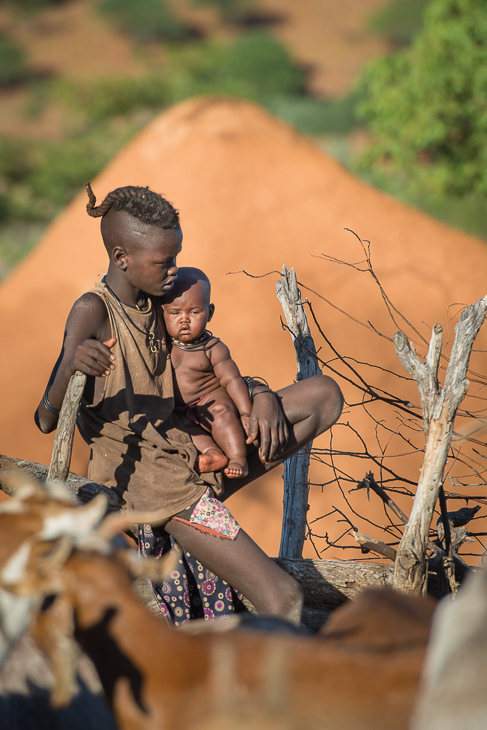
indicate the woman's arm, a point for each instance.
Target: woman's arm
{"x":86,"y":347}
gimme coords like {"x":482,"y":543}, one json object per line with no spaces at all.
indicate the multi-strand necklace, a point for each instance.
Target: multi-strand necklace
{"x":150,"y":335}
{"x":196,"y":345}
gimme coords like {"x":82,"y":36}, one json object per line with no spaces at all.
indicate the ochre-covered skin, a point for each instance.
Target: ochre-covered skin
{"x":253,"y":195}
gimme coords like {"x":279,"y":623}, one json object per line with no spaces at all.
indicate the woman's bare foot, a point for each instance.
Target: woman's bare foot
{"x":211,"y":460}
{"x":236,"y":469}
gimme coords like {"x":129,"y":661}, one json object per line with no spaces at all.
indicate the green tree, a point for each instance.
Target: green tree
{"x":427,"y":105}
{"x":12,"y":61}
{"x":232,"y":11}
{"x":400,"y":21}
{"x":145,"y":20}
{"x":255,"y":67}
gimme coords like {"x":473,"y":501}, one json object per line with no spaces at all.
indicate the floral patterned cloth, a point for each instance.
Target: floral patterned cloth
{"x":212,"y":516}
{"x":193,"y":591}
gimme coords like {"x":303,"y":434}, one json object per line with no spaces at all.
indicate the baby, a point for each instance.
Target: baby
{"x":208,"y":386}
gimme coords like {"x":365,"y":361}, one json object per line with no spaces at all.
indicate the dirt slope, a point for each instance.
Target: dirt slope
{"x":73,"y":40}
{"x":253,"y":195}
{"x":331,"y":39}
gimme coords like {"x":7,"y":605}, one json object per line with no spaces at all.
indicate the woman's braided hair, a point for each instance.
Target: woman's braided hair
{"x":142,"y":203}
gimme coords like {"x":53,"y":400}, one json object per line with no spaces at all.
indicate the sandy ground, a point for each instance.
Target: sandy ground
{"x":253,"y":195}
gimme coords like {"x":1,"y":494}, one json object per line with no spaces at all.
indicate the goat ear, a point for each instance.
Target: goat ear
{"x":60,"y":491}
{"x":76,"y":523}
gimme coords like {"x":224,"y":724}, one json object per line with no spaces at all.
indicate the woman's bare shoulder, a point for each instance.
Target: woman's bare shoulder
{"x":88,"y":314}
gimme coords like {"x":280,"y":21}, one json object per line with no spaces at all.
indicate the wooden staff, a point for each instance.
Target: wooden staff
{"x":63,"y":442}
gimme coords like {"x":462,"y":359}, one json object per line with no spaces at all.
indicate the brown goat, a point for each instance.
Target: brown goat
{"x":362,"y":672}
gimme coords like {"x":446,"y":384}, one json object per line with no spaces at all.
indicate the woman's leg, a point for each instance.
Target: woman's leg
{"x":311,"y":406}
{"x":243,"y":565}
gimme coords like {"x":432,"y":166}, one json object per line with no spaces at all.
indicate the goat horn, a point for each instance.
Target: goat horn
{"x":118,"y":521}
{"x":157,"y":570}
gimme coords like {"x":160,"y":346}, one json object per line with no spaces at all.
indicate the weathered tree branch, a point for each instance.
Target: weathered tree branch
{"x":83,"y":488}
{"x":439,"y":408}
{"x":370,"y":543}
{"x":370,"y":483}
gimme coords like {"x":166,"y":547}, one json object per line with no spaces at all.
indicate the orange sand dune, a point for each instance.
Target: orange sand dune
{"x":253,"y":194}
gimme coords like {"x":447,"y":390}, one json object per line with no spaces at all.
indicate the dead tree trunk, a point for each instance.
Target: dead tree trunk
{"x":439,"y":408}
{"x":296,"y":468}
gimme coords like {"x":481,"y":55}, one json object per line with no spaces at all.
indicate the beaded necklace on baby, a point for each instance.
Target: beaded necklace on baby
{"x":197,"y":345}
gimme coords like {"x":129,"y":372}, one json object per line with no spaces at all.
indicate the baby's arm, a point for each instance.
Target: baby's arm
{"x":229,"y":376}
{"x":83,"y":349}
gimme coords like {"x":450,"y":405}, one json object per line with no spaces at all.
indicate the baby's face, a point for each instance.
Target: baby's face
{"x":186,"y":316}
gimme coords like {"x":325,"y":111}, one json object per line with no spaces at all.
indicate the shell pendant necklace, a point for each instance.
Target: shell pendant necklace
{"x":152,"y":343}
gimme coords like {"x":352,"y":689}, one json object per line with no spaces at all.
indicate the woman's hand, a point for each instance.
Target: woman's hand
{"x":268,"y":425}
{"x":94,"y":358}
{"x":245,"y":421}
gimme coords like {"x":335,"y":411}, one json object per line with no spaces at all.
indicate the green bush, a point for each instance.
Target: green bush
{"x":230,"y":10}
{"x":427,"y":105}
{"x":264,"y":64}
{"x":400,"y":21}
{"x":12,"y":61}
{"x":145,"y":20}
{"x":255,"y":67}
{"x":316,"y":116}
{"x":38,"y":178}
{"x":27,"y":7}
{"x":112,"y":97}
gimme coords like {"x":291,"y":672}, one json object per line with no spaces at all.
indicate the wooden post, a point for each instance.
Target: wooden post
{"x":439,"y":408}
{"x":296,"y":468}
{"x":63,"y":442}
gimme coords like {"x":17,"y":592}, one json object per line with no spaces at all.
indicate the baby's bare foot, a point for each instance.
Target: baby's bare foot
{"x":236,"y":469}
{"x":211,"y":460}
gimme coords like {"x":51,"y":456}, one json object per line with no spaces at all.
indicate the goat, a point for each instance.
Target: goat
{"x":155,"y":676}
{"x":453,"y":692}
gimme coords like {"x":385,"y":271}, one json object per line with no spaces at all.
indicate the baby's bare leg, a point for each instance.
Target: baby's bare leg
{"x":210,"y":457}
{"x":217,"y":413}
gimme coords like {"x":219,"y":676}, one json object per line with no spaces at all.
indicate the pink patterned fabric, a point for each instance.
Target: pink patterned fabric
{"x":211,"y":516}
{"x":210,"y":512}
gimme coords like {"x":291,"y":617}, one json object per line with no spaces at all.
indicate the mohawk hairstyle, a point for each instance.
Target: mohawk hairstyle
{"x":142,"y":203}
